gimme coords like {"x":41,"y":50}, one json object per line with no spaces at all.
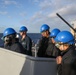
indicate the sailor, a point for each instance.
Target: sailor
{"x":43,"y":42}
{"x":67,"y":60}
{"x":25,"y":40}
{"x":52,"y":50}
{"x":10,"y":43}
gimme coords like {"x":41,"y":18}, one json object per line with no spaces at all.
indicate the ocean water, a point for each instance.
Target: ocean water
{"x":34,"y":36}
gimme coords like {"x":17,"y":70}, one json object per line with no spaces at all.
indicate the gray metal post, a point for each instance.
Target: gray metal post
{"x":35,"y":50}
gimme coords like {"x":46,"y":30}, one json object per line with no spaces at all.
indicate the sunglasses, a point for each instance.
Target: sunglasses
{"x":59,"y":44}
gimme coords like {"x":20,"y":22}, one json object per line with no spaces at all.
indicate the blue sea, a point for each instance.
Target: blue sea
{"x":34,"y":36}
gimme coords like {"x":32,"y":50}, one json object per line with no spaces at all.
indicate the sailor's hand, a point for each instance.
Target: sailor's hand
{"x":59,"y":60}
{"x":23,"y":37}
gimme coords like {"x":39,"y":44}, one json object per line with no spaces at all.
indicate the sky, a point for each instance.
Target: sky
{"x":34,"y":13}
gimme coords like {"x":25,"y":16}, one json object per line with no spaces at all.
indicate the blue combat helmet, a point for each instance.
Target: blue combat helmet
{"x":65,"y":37}
{"x":54,"y":32}
{"x":8,"y":31}
{"x":23,"y":28}
{"x":44,"y":27}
